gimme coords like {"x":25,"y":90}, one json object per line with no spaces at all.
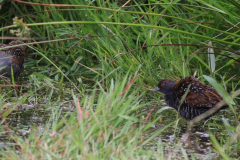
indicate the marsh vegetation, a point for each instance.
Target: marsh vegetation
{"x":90,"y":66}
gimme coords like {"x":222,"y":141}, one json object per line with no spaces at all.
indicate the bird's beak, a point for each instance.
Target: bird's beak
{"x":155,"y":89}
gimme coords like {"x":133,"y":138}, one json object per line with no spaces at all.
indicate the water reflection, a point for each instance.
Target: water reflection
{"x":198,"y":143}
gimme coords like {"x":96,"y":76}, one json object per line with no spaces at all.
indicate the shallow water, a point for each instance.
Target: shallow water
{"x":26,"y":118}
{"x":198,"y":144}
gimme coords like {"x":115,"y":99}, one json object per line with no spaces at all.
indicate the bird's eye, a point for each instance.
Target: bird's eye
{"x":162,"y":85}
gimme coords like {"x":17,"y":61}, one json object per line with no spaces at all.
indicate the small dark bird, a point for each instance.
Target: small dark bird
{"x":11,"y":59}
{"x":199,"y":99}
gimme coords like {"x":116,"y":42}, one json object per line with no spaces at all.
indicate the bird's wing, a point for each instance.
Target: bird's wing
{"x":199,"y":95}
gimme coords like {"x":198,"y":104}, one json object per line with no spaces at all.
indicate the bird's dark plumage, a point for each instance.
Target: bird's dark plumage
{"x":11,"y":58}
{"x":199,"y":99}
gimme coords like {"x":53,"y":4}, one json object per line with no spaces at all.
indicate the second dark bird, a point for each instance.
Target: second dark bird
{"x":12,"y":58}
{"x":199,"y":99}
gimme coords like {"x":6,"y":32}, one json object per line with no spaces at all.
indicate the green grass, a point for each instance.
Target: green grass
{"x":81,"y":53}
{"x":108,"y":128}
